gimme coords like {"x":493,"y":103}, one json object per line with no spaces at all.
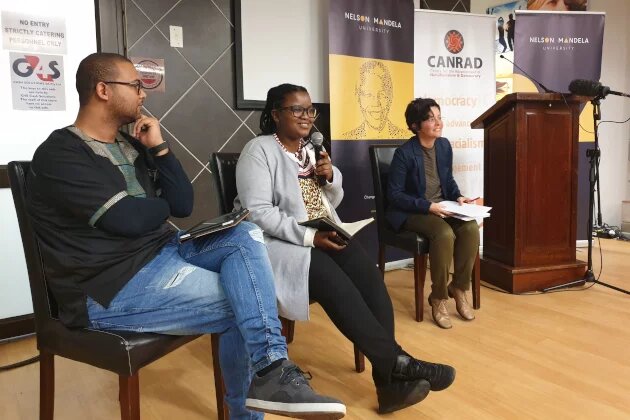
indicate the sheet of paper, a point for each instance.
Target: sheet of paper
{"x":354,"y":227}
{"x":467,"y":218}
{"x":471,"y":210}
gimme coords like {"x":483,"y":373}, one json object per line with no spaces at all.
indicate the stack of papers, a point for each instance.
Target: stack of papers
{"x":466,"y":211}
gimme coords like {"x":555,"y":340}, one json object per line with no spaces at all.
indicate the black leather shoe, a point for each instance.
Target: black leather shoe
{"x":439,"y":376}
{"x":401,"y":394}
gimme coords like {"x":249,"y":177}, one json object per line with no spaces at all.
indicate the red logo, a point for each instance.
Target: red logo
{"x":25,"y":67}
{"x":454,"y":41}
{"x":151,"y":74}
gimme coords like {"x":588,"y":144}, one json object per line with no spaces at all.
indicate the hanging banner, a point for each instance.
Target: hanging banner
{"x":371,"y":79}
{"x":504,"y":43}
{"x":454,"y":64}
{"x":556,"y":48}
{"x":506,"y":29}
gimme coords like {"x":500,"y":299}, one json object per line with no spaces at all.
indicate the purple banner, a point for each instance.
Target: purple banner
{"x":556,"y":48}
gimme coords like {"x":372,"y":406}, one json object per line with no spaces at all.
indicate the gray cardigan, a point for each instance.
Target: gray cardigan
{"x":267,"y":184}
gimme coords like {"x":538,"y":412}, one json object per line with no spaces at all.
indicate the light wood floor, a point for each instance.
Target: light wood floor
{"x":555,"y":356}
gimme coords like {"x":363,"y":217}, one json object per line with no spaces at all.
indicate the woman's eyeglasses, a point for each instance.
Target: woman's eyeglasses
{"x":136,"y":83}
{"x":298,"y":111}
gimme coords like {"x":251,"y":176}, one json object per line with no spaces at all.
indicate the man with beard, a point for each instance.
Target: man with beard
{"x":100,"y":199}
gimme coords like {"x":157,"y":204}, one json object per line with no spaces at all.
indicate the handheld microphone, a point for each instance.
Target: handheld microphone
{"x":584,"y":87}
{"x":527,"y":74}
{"x":317,"y":139}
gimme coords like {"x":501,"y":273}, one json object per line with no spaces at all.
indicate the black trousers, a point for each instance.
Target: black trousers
{"x":350,"y":288}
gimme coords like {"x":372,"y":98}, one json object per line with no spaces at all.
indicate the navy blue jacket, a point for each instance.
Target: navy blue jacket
{"x":407,"y":182}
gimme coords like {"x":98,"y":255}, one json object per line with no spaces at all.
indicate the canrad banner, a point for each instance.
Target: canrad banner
{"x":454,"y":64}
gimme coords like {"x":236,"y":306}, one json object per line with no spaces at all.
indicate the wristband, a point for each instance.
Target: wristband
{"x":157,"y":149}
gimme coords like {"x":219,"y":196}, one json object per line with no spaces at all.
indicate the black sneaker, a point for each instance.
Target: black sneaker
{"x":401,"y":394}
{"x":286,"y":391}
{"x":408,"y":368}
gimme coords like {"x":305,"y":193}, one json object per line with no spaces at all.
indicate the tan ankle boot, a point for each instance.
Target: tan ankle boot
{"x":461,"y":303}
{"x":439,"y":312}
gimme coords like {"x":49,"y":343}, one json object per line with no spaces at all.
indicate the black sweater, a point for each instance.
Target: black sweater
{"x":70,"y":186}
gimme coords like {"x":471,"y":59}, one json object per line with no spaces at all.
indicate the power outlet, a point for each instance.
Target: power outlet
{"x":177,"y":36}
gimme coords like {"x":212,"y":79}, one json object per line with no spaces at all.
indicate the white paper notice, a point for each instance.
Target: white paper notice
{"x":37,"y":82}
{"x":26,"y":32}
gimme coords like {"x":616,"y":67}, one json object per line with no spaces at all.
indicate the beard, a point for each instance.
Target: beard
{"x":125,"y":112}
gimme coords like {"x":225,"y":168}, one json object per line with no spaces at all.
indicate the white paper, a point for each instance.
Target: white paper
{"x":28,"y":32}
{"x":472,"y":211}
{"x":354,"y":227}
{"x":37,"y":82}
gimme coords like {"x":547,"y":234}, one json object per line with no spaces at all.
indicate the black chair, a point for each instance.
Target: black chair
{"x":223,"y":166}
{"x":121,"y":352}
{"x":380,"y":159}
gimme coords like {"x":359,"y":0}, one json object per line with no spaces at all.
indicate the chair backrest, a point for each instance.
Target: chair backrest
{"x":380,"y":158}
{"x":44,"y":305}
{"x":224,"y":171}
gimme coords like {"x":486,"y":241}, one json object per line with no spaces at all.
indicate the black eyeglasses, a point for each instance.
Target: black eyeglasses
{"x":298,"y":111}
{"x":136,"y":83}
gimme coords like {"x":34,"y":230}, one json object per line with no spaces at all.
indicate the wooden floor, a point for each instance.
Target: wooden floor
{"x":554,"y":356}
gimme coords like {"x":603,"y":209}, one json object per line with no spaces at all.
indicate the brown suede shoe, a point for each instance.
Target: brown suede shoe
{"x":461,"y":303}
{"x":439,"y":312}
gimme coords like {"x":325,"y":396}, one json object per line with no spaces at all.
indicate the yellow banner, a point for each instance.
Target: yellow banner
{"x":371,"y":96}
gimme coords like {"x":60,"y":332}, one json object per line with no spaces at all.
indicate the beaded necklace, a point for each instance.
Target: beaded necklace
{"x":300,"y":155}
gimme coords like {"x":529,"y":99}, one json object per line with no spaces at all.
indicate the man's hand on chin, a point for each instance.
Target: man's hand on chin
{"x":147,"y":130}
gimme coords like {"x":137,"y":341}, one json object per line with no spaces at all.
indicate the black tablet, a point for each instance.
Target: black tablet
{"x":217,"y":224}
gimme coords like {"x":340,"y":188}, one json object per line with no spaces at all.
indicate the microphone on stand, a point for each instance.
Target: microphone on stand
{"x":317,"y":139}
{"x":585,"y":87}
{"x":547,"y":90}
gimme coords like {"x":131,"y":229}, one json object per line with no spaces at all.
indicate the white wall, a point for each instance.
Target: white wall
{"x":22,"y":131}
{"x":480,"y":6}
{"x":614,"y":138}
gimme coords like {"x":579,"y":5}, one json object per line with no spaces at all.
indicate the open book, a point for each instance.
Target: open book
{"x":466,"y":211}
{"x":345,"y":230}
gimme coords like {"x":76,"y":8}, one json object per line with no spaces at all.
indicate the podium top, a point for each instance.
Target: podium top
{"x":509,"y":100}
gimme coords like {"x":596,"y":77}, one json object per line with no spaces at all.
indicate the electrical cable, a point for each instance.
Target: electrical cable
{"x":19,"y":364}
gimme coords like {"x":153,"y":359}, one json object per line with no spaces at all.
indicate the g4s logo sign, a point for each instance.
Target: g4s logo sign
{"x":25,"y":67}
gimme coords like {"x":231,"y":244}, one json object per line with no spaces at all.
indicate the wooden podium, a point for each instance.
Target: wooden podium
{"x":530,"y":181}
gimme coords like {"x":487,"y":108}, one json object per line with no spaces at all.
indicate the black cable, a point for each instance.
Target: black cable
{"x":19,"y":364}
{"x":614,"y":122}
{"x":538,"y":292}
{"x":568,"y":107}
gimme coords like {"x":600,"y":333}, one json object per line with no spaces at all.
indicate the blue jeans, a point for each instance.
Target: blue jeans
{"x":179,"y":292}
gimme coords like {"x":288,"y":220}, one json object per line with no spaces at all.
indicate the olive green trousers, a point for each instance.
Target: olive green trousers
{"x":449,"y":238}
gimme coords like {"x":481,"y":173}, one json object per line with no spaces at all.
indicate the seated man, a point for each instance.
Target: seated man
{"x":99,"y":200}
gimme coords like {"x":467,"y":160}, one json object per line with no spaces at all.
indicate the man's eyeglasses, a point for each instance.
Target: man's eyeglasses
{"x":136,"y":83}
{"x":298,"y":111}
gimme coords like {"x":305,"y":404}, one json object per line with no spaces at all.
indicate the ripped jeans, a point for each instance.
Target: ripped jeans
{"x":179,"y":292}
